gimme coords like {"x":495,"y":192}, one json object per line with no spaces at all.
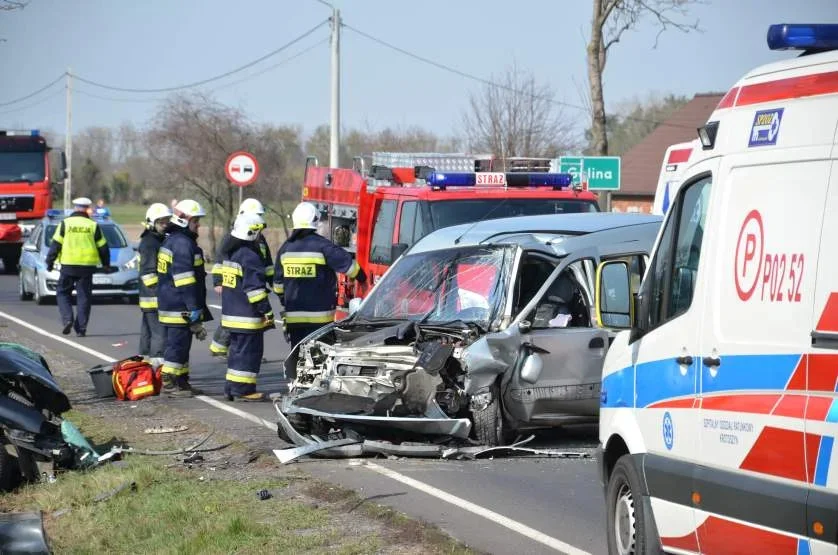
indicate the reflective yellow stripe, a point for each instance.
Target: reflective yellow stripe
{"x":184,"y":278}
{"x":216,"y":347}
{"x":353,"y":270}
{"x":240,"y":376}
{"x":232,"y":268}
{"x":142,"y":390}
{"x":303,"y":317}
{"x":242,"y":322}
{"x":148,"y":302}
{"x":216,"y":269}
{"x":279,"y":288}
{"x":165,"y":254}
{"x":174,"y":368}
{"x":169,"y":317}
{"x":150,"y":280}
{"x":199,"y":260}
{"x":303,"y":258}
{"x":269,"y":271}
{"x":257,"y":295}
{"x":102,"y":241}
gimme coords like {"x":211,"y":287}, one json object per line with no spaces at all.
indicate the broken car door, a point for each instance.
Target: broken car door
{"x":557,"y":378}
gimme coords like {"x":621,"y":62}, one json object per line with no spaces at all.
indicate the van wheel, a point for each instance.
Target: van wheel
{"x":490,"y":427}
{"x":626,"y":530}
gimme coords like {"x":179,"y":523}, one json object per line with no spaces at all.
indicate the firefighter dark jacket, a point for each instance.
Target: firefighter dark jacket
{"x":182,"y":285}
{"x":305,"y":277}
{"x":244,"y":296}
{"x":150,"y":242}
{"x":228,"y":242}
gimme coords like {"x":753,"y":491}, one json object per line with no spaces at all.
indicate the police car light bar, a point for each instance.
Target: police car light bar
{"x":55,"y":213}
{"x":492,"y":179}
{"x":818,"y":36}
{"x":17,"y":133}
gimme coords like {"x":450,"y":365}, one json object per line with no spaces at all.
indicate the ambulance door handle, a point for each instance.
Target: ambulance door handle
{"x":684,"y":360}
{"x":712,"y":362}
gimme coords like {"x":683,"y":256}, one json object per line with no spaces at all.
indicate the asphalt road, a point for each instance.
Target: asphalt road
{"x":502,"y":505}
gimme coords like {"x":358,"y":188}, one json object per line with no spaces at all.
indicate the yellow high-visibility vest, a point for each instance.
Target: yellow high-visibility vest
{"x":78,"y":244}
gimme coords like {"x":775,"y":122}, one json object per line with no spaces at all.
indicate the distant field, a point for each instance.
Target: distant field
{"x":131,"y":214}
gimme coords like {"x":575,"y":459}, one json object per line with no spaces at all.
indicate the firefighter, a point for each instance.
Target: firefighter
{"x":305,"y":277}
{"x":79,"y":247}
{"x":181,"y":295}
{"x":221,"y":337}
{"x":246,"y":309}
{"x":152,"y":332}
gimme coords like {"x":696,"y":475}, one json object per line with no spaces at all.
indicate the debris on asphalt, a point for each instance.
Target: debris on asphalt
{"x":165,"y":429}
{"x":119,"y":344}
{"x":263,"y":494}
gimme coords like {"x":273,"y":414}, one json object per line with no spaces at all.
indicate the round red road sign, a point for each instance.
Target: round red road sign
{"x":241,"y":168}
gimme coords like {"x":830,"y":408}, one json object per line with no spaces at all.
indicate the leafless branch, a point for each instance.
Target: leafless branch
{"x":9,"y":5}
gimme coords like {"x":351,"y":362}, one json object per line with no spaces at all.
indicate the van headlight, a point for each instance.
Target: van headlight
{"x":133,"y":264}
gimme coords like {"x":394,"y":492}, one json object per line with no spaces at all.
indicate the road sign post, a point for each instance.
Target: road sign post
{"x":241,"y":170}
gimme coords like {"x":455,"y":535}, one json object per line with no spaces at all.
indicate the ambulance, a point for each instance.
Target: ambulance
{"x":719,"y":408}
{"x":675,"y":160}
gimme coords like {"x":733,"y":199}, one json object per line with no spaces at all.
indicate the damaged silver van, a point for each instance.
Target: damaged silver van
{"x":479,"y":330}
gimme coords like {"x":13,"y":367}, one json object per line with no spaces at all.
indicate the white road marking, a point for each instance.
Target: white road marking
{"x":218,"y":306}
{"x":513,"y":525}
{"x":499,"y":519}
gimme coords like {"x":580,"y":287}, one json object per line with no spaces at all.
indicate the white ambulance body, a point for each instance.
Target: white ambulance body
{"x":719,"y":409}
{"x":675,"y":161}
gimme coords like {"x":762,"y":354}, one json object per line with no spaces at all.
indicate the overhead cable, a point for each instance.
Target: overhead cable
{"x":209,"y":80}
{"x":492,"y":83}
{"x":30,"y":95}
{"x":33,"y":104}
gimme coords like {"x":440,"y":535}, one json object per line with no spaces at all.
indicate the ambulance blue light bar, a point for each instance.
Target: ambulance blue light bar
{"x":493,"y":179}
{"x":799,"y":36}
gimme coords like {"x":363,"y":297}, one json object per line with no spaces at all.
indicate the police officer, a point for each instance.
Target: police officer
{"x":245,"y":308}
{"x":78,"y":246}
{"x":152,"y":332}
{"x":305,"y":277}
{"x":221,"y":337}
{"x":181,"y":295}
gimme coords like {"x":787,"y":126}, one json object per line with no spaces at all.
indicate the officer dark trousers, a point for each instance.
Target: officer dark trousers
{"x":152,"y":336}
{"x":176,"y":354}
{"x":244,"y":357}
{"x":64,"y":298}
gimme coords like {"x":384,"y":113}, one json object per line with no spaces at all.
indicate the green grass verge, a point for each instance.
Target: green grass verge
{"x":132,"y":214}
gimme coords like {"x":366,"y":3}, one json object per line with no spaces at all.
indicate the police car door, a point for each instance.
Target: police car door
{"x":571,"y":350}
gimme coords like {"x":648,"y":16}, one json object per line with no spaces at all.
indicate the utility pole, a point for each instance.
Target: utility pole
{"x":334,"y":143}
{"x":68,"y":142}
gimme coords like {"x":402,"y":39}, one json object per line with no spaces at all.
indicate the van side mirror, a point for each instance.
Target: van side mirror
{"x":397,"y":250}
{"x":614,"y":299}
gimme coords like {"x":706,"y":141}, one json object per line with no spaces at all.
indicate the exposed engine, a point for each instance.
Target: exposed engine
{"x":393,"y":371}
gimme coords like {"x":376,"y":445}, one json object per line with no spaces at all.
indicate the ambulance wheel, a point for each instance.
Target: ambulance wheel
{"x":628,"y":524}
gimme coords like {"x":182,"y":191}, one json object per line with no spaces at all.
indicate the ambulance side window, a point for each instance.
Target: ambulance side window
{"x":382,"y":234}
{"x":669,"y":291}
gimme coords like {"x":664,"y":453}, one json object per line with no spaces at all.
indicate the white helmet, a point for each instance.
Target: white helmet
{"x":304,"y":216}
{"x":247,"y":226}
{"x":155,"y":212}
{"x":186,"y":210}
{"x":251,"y":206}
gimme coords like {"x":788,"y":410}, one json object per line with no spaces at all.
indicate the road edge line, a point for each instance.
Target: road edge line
{"x":232,"y":410}
{"x":473,"y":508}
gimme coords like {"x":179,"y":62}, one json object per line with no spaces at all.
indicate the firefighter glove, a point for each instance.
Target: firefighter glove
{"x":198,"y":330}
{"x":269,"y":319}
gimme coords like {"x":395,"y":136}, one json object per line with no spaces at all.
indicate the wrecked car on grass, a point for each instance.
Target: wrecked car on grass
{"x":478,"y":331}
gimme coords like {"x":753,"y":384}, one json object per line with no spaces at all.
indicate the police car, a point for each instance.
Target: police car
{"x":34,"y":281}
{"x":719,"y":409}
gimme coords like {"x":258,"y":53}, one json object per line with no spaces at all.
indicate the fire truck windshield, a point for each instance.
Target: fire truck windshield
{"x":446,"y":213}
{"x":21,"y":166}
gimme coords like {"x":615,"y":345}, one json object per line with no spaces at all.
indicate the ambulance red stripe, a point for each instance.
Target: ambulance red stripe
{"x":829,"y":317}
{"x":728,"y":100}
{"x":823,"y":371}
{"x":754,"y":404}
{"x":679,"y":155}
{"x":779,"y":452}
{"x":785,"y":89}
{"x":792,"y":406}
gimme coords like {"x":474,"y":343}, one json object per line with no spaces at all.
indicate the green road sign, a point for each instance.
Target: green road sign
{"x":603,"y":171}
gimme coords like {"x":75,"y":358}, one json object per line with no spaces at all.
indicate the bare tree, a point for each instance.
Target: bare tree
{"x":9,"y":5}
{"x":612,"y":18}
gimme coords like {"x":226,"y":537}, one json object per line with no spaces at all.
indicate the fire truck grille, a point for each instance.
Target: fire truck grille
{"x":13,"y":203}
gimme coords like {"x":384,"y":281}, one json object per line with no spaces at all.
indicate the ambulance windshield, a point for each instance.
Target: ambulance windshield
{"x":446,"y":213}
{"x":466,"y":284}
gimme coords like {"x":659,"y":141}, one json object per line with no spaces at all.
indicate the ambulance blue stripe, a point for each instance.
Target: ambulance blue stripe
{"x":803,"y":546}
{"x":824,"y":455}
{"x":832,"y":415}
{"x":662,"y":380}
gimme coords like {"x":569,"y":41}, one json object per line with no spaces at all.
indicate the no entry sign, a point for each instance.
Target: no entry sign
{"x":241,"y":168}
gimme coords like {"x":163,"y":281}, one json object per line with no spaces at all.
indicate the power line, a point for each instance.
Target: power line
{"x":489,"y":82}
{"x":30,"y":95}
{"x":331,"y":7}
{"x":34,"y":104}
{"x":211,"y":79}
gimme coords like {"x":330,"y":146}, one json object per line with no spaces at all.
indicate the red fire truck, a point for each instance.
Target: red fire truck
{"x":25,"y":189}
{"x":378,"y":211}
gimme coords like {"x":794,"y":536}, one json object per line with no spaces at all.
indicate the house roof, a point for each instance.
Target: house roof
{"x":640,"y":166}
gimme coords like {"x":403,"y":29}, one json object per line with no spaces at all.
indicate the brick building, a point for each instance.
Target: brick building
{"x":640,"y":166}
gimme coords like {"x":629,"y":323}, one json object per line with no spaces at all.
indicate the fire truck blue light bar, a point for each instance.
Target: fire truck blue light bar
{"x":459,"y":179}
{"x":818,"y":36}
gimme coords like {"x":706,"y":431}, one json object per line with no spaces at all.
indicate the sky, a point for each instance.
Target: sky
{"x":165,"y":43}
